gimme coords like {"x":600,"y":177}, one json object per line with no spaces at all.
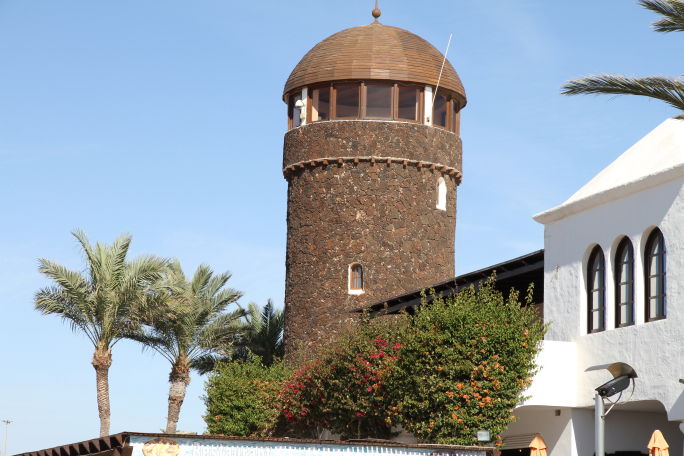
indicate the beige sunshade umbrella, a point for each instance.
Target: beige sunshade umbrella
{"x":538,"y":446}
{"x":658,"y":446}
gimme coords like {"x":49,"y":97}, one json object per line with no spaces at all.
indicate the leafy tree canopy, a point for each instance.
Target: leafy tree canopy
{"x":242,"y":397}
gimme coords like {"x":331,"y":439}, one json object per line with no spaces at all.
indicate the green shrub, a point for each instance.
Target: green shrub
{"x":242,"y":398}
{"x":464,"y":365}
{"x":345,"y":389}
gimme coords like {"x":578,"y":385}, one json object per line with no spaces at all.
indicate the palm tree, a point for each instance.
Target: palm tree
{"x":105,"y":302}
{"x":190,"y":338}
{"x":669,"y":90}
{"x":263,"y":335}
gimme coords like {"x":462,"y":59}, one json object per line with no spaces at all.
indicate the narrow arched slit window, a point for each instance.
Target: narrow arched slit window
{"x":355,"y":279}
{"x":624,"y":284}
{"x":654,"y":260}
{"x":596,"y":291}
{"x":441,"y":194}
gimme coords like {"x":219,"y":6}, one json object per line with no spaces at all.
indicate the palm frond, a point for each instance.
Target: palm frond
{"x":206,"y":363}
{"x":186,"y":318}
{"x":55,"y":300}
{"x":223,"y":331}
{"x":153,"y":341}
{"x":669,"y":90}
{"x":72,"y":282}
{"x":672,"y":12}
{"x":92,"y":259}
{"x":117,"y":257}
{"x":264,"y":336}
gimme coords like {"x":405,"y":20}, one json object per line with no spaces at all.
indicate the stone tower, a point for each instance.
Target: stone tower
{"x":372,"y":158}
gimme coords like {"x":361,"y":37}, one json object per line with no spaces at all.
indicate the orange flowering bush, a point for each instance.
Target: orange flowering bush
{"x":457,"y":366}
{"x":345,"y":390}
{"x":464,"y":365}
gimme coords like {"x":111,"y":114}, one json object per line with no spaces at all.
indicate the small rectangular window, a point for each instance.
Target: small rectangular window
{"x":408,"y":103}
{"x":379,"y":101}
{"x":347,"y":101}
{"x":439,"y":111}
{"x":320,"y":104}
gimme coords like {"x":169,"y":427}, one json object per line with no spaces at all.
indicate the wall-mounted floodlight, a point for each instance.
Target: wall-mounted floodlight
{"x":484,"y":436}
{"x":622,"y":377}
{"x":623,"y":374}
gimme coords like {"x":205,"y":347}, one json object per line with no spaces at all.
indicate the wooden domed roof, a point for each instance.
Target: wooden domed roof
{"x":375,"y":51}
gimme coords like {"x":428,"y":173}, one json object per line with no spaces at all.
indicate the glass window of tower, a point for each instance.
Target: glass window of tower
{"x":439,"y":111}
{"x":347,"y":101}
{"x":293,"y":111}
{"x":320,"y":104}
{"x":379,"y":101}
{"x":408,"y":103}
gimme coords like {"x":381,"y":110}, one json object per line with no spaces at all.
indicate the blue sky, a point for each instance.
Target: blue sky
{"x":164,"y":119}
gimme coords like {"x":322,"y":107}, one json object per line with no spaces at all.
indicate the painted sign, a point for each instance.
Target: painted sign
{"x":164,"y":446}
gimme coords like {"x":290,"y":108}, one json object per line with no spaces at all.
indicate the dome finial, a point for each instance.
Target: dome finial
{"x":376,"y":12}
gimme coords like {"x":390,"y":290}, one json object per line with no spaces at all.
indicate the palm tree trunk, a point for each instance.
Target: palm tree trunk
{"x":179,"y":379}
{"x":102,"y":360}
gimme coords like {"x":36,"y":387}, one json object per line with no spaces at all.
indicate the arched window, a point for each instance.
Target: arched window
{"x":355,"y":279}
{"x":654,"y":271}
{"x":441,"y":194}
{"x":596,"y":291}
{"x":624,"y":284}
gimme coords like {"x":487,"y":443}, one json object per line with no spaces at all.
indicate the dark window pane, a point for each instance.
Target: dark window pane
{"x":439,"y":111}
{"x":294,"y":113}
{"x":655,"y":276}
{"x":379,"y":101}
{"x":408,"y":103}
{"x":356,"y":282}
{"x":624,"y":284}
{"x":454,"y":117}
{"x":347,"y":101}
{"x":596,"y":294}
{"x":320,"y":104}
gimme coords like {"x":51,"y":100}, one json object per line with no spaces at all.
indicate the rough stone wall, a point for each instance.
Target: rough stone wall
{"x":380,"y":215}
{"x":349,"y":138}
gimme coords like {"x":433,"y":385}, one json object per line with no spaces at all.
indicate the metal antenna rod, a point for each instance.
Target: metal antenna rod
{"x":7,"y":423}
{"x":439,"y":79}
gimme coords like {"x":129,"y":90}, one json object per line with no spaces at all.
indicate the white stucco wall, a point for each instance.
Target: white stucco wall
{"x":555,"y":429}
{"x":570,"y":431}
{"x":655,"y":349}
{"x":624,"y":431}
{"x":556,"y":376}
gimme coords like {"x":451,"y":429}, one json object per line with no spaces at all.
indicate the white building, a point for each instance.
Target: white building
{"x":614,"y":291}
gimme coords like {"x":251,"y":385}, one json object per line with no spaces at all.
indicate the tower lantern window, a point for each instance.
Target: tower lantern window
{"x":294,"y":112}
{"x":347,"y":101}
{"x":379,"y":101}
{"x":439,"y":111}
{"x":320,"y":104}
{"x":455,"y":116}
{"x":408,"y":103}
